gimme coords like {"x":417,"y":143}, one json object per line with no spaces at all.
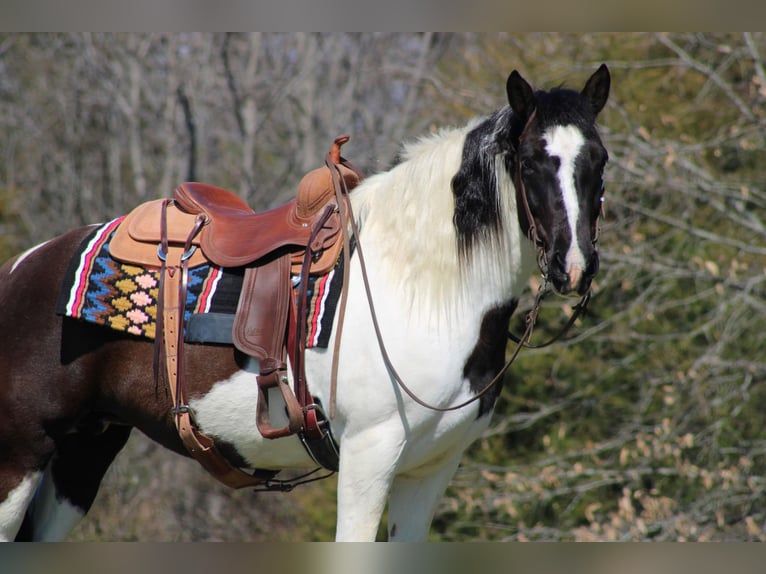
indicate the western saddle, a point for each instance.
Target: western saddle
{"x":204,"y":224}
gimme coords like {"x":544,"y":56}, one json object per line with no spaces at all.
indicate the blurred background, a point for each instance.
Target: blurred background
{"x":646,"y":425}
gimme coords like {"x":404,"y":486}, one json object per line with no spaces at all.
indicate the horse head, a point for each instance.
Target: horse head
{"x":557,"y":164}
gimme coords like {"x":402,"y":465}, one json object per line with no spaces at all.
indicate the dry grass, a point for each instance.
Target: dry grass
{"x":152,"y":495}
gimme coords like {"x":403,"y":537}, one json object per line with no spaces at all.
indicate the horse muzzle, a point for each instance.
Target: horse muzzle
{"x":571,"y":279}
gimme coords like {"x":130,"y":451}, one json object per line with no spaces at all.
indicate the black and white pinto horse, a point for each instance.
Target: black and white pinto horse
{"x":445,"y":239}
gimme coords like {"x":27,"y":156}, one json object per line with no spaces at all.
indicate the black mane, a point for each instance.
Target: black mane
{"x":477,"y":204}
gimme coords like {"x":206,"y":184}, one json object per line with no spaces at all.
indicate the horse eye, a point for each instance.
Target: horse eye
{"x":527,"y":168}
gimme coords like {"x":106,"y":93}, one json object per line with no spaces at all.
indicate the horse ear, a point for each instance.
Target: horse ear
{"x":597,"y":89}
{"x":521,"y":97}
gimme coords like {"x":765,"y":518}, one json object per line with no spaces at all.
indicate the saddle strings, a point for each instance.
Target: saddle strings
{"x":182,"y":266}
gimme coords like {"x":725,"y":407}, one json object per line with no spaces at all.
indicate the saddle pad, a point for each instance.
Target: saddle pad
{"x":98,"y":289}
{"x":322,"y":302}
{"x":101,"y":290}
{"x":322,"y":299}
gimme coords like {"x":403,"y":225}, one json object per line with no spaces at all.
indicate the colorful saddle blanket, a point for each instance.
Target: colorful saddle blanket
{"x":101,"y":290}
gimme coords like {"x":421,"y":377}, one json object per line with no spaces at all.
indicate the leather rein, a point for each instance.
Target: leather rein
{"x":530,"y":319}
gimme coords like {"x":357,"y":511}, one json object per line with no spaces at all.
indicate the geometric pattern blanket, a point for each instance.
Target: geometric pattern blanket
{"x":101,"y":290}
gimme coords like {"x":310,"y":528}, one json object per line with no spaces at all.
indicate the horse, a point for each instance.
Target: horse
{"x":451,"y":235}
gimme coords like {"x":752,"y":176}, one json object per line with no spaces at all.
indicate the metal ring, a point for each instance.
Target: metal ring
{"x":188,"y":253}
{"x":315,"y":407}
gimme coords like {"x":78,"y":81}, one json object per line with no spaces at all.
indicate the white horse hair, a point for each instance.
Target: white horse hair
{"x":407,"y":218}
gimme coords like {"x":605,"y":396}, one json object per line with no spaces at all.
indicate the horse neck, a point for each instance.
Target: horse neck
{"x":407,"y":229}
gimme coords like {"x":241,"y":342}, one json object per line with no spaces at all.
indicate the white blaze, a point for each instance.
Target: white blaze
{"x":565,"y":143}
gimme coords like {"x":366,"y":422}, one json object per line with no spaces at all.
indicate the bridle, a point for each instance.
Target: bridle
{"x":542,"y":260}
{"x":349,"y":221}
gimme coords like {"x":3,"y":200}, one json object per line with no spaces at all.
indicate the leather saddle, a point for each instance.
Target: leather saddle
{"x":233,"y":235}
{"x":204,"y":224}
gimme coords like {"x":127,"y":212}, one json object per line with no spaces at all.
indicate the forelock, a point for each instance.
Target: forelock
{"x":562,"y":106}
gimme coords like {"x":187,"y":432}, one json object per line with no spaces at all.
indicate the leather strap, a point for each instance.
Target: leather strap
{"x":332,"y":161}
{"x":277,"y":320}
{"x":297,"y":336}
{"x":266,"y":293}
{"x":169,"y":338}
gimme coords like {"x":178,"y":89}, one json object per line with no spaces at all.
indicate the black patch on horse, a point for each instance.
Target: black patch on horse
{"x":477,"y":211}
{"x":488,"y":356}
{"x":477,"y":200}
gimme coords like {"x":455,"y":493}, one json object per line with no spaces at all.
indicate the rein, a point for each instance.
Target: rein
{"x":578,"y":310}
{"x":523,"y":341}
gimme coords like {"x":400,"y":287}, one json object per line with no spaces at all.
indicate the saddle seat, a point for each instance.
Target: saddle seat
{"x":235,"y":235}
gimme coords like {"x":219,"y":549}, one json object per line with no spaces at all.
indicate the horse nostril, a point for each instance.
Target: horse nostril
{"x":556,"y":269}
{"x":580,"y":279}
{"x":558,"y":274}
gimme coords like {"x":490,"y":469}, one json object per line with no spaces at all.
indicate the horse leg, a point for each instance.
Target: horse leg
{"x":71,"y":482}
{"x":16,"y":491}
{"x":367,"y":466}
{"x":414,"y":498}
